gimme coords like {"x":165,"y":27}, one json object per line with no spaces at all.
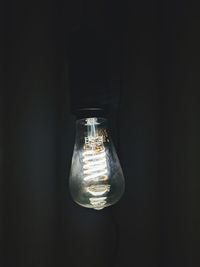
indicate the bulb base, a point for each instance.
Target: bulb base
{"x":91,"y":113}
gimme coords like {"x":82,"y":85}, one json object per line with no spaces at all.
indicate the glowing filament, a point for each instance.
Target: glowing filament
{"x":94,"y":166}
{"x":95,"y":169}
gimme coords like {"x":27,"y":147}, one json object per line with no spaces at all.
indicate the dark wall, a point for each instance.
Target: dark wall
{"x":156,"y":132}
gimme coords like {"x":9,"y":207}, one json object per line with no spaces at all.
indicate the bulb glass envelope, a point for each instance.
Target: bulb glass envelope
{"x":96,"y":178}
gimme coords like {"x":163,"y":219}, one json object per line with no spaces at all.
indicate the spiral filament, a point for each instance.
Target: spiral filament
{"x":94,"y":164}
{"x":95,"y":170}
{"x":98,"y":203}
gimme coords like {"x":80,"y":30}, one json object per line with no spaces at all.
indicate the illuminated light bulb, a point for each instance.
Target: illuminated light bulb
{"x":96,"y":178}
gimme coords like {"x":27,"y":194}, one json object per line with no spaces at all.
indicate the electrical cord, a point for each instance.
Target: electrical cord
{"x":117,"y":238}
{"x":113,"y":218}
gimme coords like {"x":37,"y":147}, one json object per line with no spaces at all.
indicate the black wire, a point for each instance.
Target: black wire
{"x":113,"y":217}
{"x":117,"y":238}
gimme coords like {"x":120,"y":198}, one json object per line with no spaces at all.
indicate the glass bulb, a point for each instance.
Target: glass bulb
{"x":96,"y":178}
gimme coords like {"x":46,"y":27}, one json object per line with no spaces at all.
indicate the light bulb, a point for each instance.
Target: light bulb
{"x":96,"y":178}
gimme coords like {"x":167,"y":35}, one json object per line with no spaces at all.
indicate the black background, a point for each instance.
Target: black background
{"x":152,"y":57}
